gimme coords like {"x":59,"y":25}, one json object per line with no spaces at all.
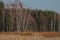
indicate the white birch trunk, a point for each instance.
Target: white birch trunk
{"x":51,"y":24}
{"x":27,"y":22}
{"x":54,"y":21}
{"x":24,"y":19}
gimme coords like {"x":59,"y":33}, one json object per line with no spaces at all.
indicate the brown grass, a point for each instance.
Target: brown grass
{"x":46,"y":34}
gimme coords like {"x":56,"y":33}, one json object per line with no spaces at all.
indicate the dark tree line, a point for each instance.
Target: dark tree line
{"x":46,"y":20}
{"x":1,"y":15}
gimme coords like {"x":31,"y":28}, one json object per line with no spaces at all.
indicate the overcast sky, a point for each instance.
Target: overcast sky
{"x":41,"y":4}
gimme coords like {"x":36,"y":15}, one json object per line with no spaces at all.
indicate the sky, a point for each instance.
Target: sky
{"x":53,"y":5}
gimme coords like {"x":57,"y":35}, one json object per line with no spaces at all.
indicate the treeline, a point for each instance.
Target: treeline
{"x":1,"y":15}
{"x":46,"y":21}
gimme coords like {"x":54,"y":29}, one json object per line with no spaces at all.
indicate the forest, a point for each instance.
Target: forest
{"x":38,"y":20}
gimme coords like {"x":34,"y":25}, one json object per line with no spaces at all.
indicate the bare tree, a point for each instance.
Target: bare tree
{"x":24,"y":20}
{"x":54,"y":22}
{"x":27,"y":21}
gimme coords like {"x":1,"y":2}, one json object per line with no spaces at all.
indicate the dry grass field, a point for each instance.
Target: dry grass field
{"x":30,"y":36}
